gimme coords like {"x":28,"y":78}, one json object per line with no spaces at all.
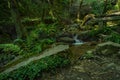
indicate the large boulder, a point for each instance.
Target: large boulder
{"x":108,"y":49}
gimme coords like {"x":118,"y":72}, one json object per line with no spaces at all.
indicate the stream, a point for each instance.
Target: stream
{"x":77,"y":41}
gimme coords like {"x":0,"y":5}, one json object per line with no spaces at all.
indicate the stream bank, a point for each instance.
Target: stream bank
{"x":98,"y":67}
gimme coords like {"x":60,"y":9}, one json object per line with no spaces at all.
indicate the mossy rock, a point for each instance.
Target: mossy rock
{"x":108,"y":49}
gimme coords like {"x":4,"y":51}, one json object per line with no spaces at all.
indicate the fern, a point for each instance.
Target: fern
{"x":9,"y":48}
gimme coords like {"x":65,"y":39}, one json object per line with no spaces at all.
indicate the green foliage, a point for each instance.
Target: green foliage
{"x":109,"y":31}
{"x":88,"y":55}
{"x":40,"y":45}
{"x":114,"y":37}
{"x":35,"y":68}
{"x":48,"y":29}
{"x":4,"y":11}
{"x":117,"y":6}
{"x":103,"y":30}
{"x":42,"y":31}
{"x":106,"y":30}
{"x":93,"y":33}
{"x":37,"y":48}
{"x":46,"y":41}
{"x":40,"y":37}
{"x":8,"y":52}
{"x":19,"y":42}
{"x":98,"y":7}
{"x":60,"y":8}
{"x":9,"y":48}
{"x":30,"y":8}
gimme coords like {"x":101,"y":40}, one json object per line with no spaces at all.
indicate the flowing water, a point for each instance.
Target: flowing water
{"x":77,"y":41}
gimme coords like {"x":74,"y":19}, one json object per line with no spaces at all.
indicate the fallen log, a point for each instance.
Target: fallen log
{"x":48,"y":52}
{"x":97,"y":20}
{"x":108,"y":15}
{"x":92,"y":19}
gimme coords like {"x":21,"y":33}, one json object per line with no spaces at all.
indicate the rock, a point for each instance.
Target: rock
{"x":109,"y":66}
{"x":89,"y":52}
{"x":66,"y":40}
{"x":119,"y":54}
{"x":108,"y":49}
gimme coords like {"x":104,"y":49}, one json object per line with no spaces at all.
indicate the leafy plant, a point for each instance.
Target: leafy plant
{"x":106,"y":30}
{"x":88,"y":55}
{"x":93,"y":32}
{"x":114,"y":37}
{"x":47,"y":28}
{"x":35,"y":68}
{"x":103,"y":30}
{"x":8,"y":52}
{"x":99,"y":6}
{"x":9,"y":48}
{"x":38,"y":46}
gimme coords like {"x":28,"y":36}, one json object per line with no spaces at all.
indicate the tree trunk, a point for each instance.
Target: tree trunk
{"x":21,"y":31}
{"x":78,"y":13}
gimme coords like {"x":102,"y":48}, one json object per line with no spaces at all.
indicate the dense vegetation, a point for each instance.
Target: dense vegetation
{"x":28,"y":27}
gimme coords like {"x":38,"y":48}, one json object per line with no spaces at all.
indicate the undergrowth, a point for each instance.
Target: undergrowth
{"x":34,"y":69}
{"x":8,"y":52}
{"x":114,"y":37}
{"x":110,"y":34}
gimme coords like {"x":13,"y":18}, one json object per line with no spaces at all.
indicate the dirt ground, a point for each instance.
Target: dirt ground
{"x":98,"y":68}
